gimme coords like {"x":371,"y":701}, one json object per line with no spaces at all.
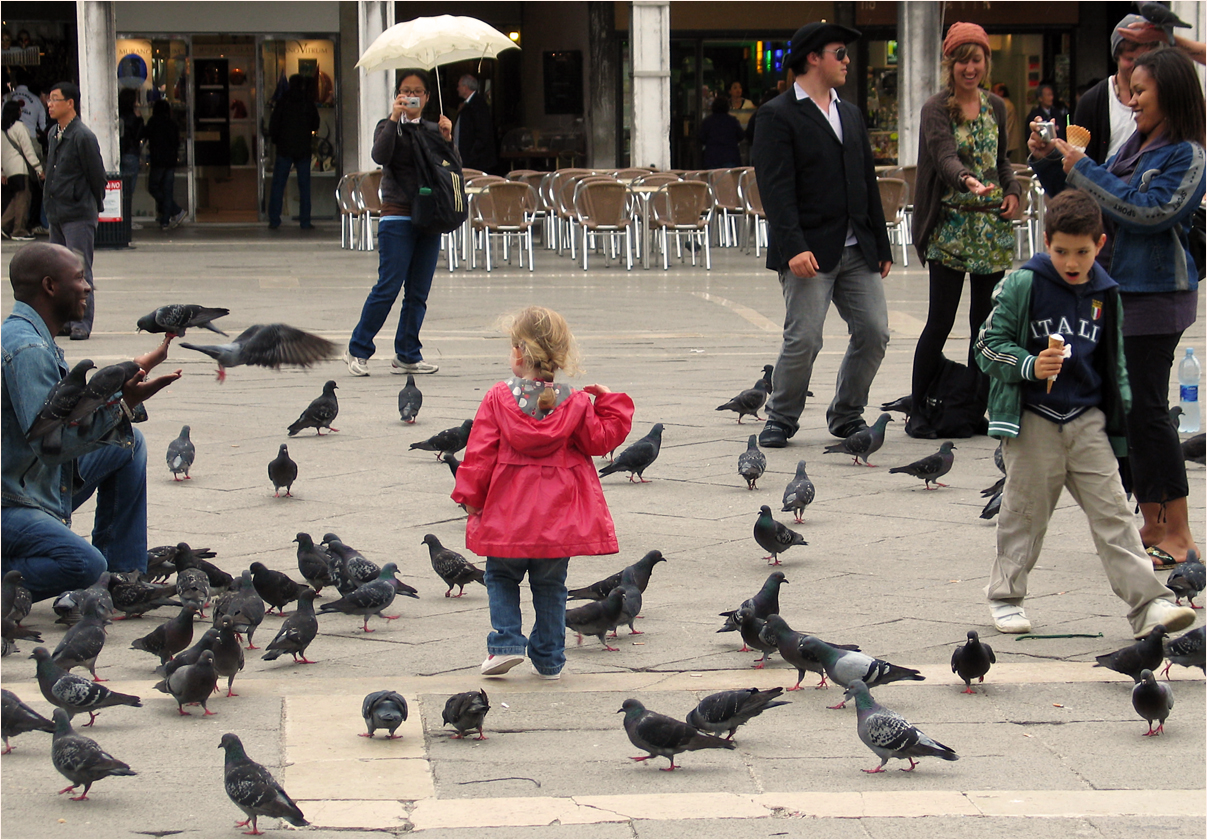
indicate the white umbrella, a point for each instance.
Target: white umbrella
{"x":427,"y":42}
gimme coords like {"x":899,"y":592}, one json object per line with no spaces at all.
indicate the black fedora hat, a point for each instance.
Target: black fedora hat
{"x":814,"y":36}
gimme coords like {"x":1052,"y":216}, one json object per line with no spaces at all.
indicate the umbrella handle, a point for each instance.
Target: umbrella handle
{"x":439,"y":92}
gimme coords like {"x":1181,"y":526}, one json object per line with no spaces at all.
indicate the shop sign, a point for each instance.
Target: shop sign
{"x":113,"y":202}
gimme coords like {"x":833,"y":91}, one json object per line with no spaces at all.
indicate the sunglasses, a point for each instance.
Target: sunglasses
{"x":839,"y":54}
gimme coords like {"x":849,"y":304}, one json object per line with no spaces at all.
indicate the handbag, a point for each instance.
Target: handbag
{"x":953,"y":406}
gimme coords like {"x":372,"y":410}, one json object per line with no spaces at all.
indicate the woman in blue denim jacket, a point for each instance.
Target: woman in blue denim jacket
{"x":1148,"y":191}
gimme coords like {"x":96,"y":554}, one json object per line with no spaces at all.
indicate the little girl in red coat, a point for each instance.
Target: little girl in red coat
{"x":531,"y":490}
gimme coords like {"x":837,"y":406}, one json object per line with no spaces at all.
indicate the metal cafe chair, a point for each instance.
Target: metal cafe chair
{"x":605,"y":209}
{"x":683,"y":208}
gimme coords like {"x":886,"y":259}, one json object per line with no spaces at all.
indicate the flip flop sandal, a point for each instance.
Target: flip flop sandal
{"x":1161,"y":559}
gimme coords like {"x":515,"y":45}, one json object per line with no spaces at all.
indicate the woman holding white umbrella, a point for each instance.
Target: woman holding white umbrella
{"x":407,"y":259}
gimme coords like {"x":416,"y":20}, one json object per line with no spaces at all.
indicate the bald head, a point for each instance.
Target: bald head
{"x":36,"y":261}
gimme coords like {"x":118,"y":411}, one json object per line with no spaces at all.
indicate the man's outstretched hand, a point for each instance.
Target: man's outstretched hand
{"x":138,"y":389}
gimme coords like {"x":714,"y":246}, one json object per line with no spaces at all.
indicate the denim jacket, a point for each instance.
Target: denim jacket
{"x":32,"y":365}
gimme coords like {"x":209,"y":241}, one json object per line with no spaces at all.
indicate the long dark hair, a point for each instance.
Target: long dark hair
{"x":10,"y":114}
{"x":1178,"y":94}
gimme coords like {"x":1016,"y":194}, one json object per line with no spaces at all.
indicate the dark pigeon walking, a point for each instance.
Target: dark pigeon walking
{"x":244,"y":605}
{"x":638,"y":457}
{"x":799,"y":493}
{"x":17,"y":601}
{"x":660,"y":735}
{"x":971,"y":661}
{"x":450,"y":440}
{"x":69,"y":606}
{"x":314,"y":562}
{"x":1195,"y":448}
{"x":751,"y":630}
{"x":383,"y":710}
{"x":1148,"y":653}
{"x":181,"y":453}
{"x":452,"y":568}
{"x":228,"y":653}
{"x":450,"y":459}
{"x":630,"y":602}
{"x":134,"y":598}
{"x":321,"y":412}
{"x":56,"y":408}
{"x":774,"y":537}
{"x":752,"y":463}
{"x":1188,"y":579}
{"x":466,"y":711}
{"x":191,"y":655}
{"x":353,"y":568}
{"x":297,"y":632}
{"x":410,"y":400}
{"x":80,"y":758}
{"x":197,"y":558}
{"x":863,"y":443}
{"x":1152,"y":700}
{"x":765,"y":602}
{"x":368,"y":599}
{"x":169,"y":638}
{"x":791,"y":646}
{"x":282,"y":472}
{"x":846,"y":666}
{"x":766,"y":378}
{"x":1188,"y":650}
{"x":269,"y":346}
{"x":176,"y":318}
{"x":599,"y":590}
{"x":75,"y":694}
{"x":748,"y":402}
{"x":931,"y":468}
{"x":193,"y":589}
{"x":253,"y":789}
{"x":84,"y":640}
{"x":597,"y":618}
{"x":730,"y":709}
{"x":16,"y":718}
{"x":191,"y":684}
{"x":889,"y":735}
{"x":275,"y":588}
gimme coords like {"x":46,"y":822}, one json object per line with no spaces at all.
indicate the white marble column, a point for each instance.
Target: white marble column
{"x":920,"y":39}
{"x":96,"y":22}
{"x":650,"y":37}
{"x":373,"y":18}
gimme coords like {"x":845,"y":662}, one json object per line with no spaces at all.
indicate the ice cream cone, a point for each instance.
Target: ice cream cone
{"x":1055,"y":342}
{"x":1077,"y":137}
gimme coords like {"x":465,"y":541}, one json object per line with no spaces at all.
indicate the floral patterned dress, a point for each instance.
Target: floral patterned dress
{"x":971,"y":235}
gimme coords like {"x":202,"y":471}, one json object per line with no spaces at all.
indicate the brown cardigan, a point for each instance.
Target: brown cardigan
{"x":939,"y":165}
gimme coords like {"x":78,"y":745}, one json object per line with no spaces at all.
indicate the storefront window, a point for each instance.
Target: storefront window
{"x":882,"y":101}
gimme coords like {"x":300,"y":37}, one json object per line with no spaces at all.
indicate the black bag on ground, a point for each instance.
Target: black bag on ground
{"x":954,"y":405}
{"x":439,"y":205}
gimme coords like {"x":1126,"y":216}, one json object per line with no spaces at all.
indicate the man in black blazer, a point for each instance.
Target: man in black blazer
{"x":826,"y":232}
{"x":474,"y":131}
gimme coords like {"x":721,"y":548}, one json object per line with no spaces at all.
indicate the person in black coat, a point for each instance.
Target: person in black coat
{"x":163,"y":148}
{"x":1048,"y":109}
{"x":826,"y":233}
{"x":474,"y":131}
{"x":294,"y":121}
{"x":720,"y":134}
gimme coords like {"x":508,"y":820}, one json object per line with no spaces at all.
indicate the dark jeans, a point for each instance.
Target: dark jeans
{"x":81,"y":237}
{"x":406,"y":263}
{"x":280,"y":177}
{"x":1154,"y":452}
{"x":946,"y":288}
{"x":161,"y":184}
{"x":546,"y":644}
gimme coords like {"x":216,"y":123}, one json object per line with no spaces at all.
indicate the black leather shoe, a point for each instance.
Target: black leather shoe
{"x":80,"y":333}
{"x":773,"y":436}
{"x":847,"y":429}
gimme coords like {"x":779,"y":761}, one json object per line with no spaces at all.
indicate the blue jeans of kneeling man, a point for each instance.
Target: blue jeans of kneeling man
{"x":546,"y":644}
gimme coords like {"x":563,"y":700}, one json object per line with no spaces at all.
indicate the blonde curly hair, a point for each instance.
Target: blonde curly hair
{"x":546,"y":345}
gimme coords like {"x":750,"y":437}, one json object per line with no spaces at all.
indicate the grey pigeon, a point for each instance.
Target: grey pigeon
{"x":191,"y":655}
{"x":181,"y":453}
{"x":450,"y":440}
{"x":282,"y":472}
{"x":383,"y":710}
{"x":297,"y":632}
{"x":11,"y":633}
{"x":191,"y":683}
{"x":17,"y":600}
{"x":764,"y":602}
{"x":847,"y":666}
{"x":135,"y":597}
{"x":638,"y":457}
{"x":774,"y":537}
{"x":68,"y":606}
{"x":267,"y":345}
{"x":196,"y":558}
{"x":319,"y":415}
{"x":244,"y":605}
{"x":1160,"y":16}
{"x":369,"y":598}
{"x":971,"y":660}
{"x":793,"y":648}
{"x":228,"y":653}
{"x":1152,"y":700}
{"x":75,"y":694}
{"x":169,"y":638}
{"x":410,"y":400}
{"x":799,"y":493}
{"x":466,"y":711}
{"x":1195,"y":448}
{"x":175,"y":319}
{"x":276,"y":588}
{"x":748,"y":402}
{"x":766,"y":378}
{"x":597,"y":618}
{"x":861,"y":444}
{"x":752,"y":463}
{"x":452,"y":568}
{"x":630,"y":601}
{"x":931,"y":468}
{"x":99,"y":392}
{"x":450,"y":459}
{"x":16,"y":718}
{"x":83,"y":641}
{"x":314,"y":562}
{"x":599,"y":590}
{"x":1188,"y":650}
{"x":993,"y":507}
{"x":1188,"y":579}
{"x":58,"y":405}
{"x":253,"y":789}
{"x":354,"y":568}
{"x":1147,"y":653}
{"x":730,"y":709}
{"x":193,"y":589}
{"x":889,"y":735}
{"x":80,"y":758}
{"x":659,"y":734}
{"x":751,"y":629}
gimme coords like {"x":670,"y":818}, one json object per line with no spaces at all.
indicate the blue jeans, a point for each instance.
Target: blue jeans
{"x":546,"y":645}
{"x":858,"y":294}
{"x":280,"y":177}
{"x":161,"y":184}
{"x":52,"y":557}
{"x":406,"y":262}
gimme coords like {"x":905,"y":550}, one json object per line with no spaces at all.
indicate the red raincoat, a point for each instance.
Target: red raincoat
{"x":534,"y":481}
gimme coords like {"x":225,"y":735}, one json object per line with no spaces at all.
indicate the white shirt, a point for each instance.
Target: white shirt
{"x":1123,"y":121}
{"x":33,"y":112}
{"x":832,"y":117}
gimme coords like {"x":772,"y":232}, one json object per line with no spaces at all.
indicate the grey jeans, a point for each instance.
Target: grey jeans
{"x":81,"y":237}
{"x":858,"y":294}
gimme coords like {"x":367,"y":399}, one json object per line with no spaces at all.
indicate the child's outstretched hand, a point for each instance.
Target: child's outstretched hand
{"x":597,"y":390}
{"x":1048,"y":363}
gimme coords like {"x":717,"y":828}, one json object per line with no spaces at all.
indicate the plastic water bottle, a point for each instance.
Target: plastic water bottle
{"x":1189,"y":373}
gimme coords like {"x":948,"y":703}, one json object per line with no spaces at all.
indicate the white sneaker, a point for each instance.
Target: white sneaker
{"x":556,"y":676}
{"x":399,"y":366}
{"x":1166,"y":612}
{"x":176,"y":220}
{"x":497,"y":666}
{"x":1009,"y":618}
{"x":356,"y":367}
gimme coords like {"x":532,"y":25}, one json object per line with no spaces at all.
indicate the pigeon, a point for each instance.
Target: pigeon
{"x":83,"y":641}
{"x":69,"y":605}
{"x":318,"y":415}
{"x":799,"y":493}
{"x":466,"y":711}
{"x":80,"y":758}
{"x":905,"y":404}
{"x":193,"y":589}
{"x":993,"y":507}
{"x":410,"y":400}
{"x":297,"y":632}
{"x":383,"y":710}
{"x":751,"y":629}
{"x":773,"y":536}
{"x":765,"y":602}
{"x":1152,"y":700}
{"x":994,"y":491}
{"x":16,"y":599}
{"x":931,"y":468}
{"x":181,"y":453}
{"x":450,"y":440}
{"x":658,"y":734}
{"x":630,"y":602}
{"x":99,"y":392}
{"x":314,"y":562}
{"x":768,"y":371}
{"x":169,"y":638}
{"x":276,"y":588}
{"x":1188,"y":579}
{"x":748,"y":401}
{"x":1148,"y":653}
{"x":1160,"y":16}
{"x":730,"y":709}
{"x":752,"y":463}
{"x":228,"y":653}
{"x":1188,"y":650}
{"x":267,"y":345}
{"x":636,"y":459}
{"x":243,"y":604}
{"x":16,"y":718}
{"x":369,"y":598}
{"x":196,"y":558}
{"x":889,"y":735}
{"x":175,"y":319}
{"x":190,"y":656}
{"x":282,"y":472}
{"x":191,"y":683}
{"x":59,"y":403}
{"x":599,"y":590}
{"x":10,"y":633}
{"x":354,"y":567}
{"x":971,"y":661}
{"x":75,"y":694}
{"x":251,"y":787}
{"x":137,"y":597}
{"x":863,"y":443}
{"x":452,"y":568}
{"x":450,"y":459}
{"x":1195,"y":448}
{"x":791,"y":646}
{"x":845,"y":666}
{"x":597,"y":618}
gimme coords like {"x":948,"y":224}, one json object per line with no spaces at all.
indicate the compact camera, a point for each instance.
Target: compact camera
{"x":411,"y":102}
{"x":1047,"y":131}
